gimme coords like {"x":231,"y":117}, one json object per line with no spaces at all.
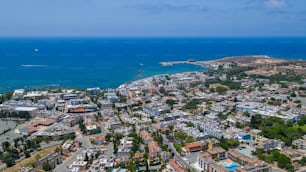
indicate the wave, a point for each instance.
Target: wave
{"x":31,"y":65}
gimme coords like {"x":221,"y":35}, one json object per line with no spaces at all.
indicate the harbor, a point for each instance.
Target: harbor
{"x":201,"y":64}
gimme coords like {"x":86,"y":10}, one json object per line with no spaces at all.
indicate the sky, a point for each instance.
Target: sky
{"x":152,"y":18}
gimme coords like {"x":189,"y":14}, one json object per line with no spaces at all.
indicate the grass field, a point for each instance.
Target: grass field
{"x":27,"y":161}
{"x":301,"y":127}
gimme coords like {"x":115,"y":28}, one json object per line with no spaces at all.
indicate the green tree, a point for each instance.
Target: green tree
{"x":170,"y":103}
{"x":8,"y":159}
{"x":47,"y":167}
{"x":26,"y":153}
{"x":108,"y":137}
{"x":221,"y":89}
{"x":6,"y":145}
{"x":162,"y":90}
{"x":192,"y":104}
{"x":190,"y":124}
{"x":303,"y":161}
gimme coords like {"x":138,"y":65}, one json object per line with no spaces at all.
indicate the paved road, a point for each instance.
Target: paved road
{"x":63,"y":166}
{"x":152,"y":168}
{"x":176,"y":154}
{"x":44,"y":145}
{"x":85,"y":144}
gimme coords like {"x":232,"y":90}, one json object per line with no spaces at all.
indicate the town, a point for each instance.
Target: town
{"x":241,"y":115}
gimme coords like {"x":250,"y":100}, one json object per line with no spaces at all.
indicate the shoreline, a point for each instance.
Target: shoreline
{"x":207,"y":64}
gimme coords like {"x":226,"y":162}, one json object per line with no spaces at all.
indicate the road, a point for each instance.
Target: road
{"x":152,"y":168}
{"x":176,"y":154}
{"x":85,"y":144}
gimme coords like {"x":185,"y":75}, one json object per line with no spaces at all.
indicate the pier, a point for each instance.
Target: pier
{"x":202,"y":64}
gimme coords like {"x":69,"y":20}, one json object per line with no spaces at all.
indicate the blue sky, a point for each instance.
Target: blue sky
{"x":150,"y":18}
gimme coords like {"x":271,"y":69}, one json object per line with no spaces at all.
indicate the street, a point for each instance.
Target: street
{"x":176,"y":154}
{"x":85,"y":144}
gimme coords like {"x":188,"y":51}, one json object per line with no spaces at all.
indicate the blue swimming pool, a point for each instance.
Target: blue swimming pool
{"x":230,"y":167}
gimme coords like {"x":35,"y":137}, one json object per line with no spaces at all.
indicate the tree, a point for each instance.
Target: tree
{"x":132,"y":166}
{"x":192,"y":104}
{"x":26,"y":153}
{"x":170,"y":103}
{"x":255,"y":121}
{"x":221,"y":89}
{"x":6,"y":145}
{"x":8,"y":159}
{"x":162,"y":90}
{"x":303,"y":161}
{"x":122,"y":99}
{"x":47,"y":167}
{"x":108,"y":137}
{"x":190,"y":124}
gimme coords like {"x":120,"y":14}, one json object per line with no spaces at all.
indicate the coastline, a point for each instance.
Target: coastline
{"x":173,"y":66}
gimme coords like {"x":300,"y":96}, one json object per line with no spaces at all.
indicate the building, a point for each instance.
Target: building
{"x":166,"y":155}
{"x":193,"y":147}
{"x":217,"y":152}
{"x":139,"y":157}
{"x":146,"y":136}
{"x":177,"y":165}
{"x":154,"y":148}
{"x":207,"y":164}
{"x":300,"y":143}
{"x":52,"y":158}
{"x":57,"y":131}
{"x":98,"y":140}
{"x":247,"y":162}
{"x":67,"y":147}
{"x":82,"y":165}
{"x":155,"y":109}
{"x":105,"y":104}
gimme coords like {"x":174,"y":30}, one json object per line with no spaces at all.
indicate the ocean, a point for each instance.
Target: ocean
{"x":108,"y":62}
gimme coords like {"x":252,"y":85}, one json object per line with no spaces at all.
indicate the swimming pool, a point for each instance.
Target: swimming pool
{"x":230,"y":166}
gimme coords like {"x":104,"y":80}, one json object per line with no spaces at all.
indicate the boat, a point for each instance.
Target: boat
{"x":191,"y":60}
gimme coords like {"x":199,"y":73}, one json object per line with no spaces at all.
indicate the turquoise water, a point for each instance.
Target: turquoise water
{"x":249,"y":140}
{"x":231,"y":167}
{"x":106,"y":62}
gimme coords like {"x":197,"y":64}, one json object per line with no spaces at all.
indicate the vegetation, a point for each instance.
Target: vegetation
{"x":221,"y":89}
{"x":82,"y":126}
{"x":228,"y":143}
{"x":178,"y":147}
{"x":276,"y":128}
{"x":47,"y":167}
{"x":116,"y":139}
{"x":237,"y":70}
{"x":170,"y":103}
{"x":278,"y":78}
{"x":181,"y":137}
{"x":190,"y":124}
{"x":275,"y":156}
{"x":122,"y":99}
{"x":30,"y":162}
{"x":6,"y":96}
{"x":228,"y":83}
{"x":192,"y":104}
{"x":303,"y":161}
{"x":162,"y":90}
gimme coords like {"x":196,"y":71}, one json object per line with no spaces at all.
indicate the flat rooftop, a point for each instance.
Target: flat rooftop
{"x":244,"y":150}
